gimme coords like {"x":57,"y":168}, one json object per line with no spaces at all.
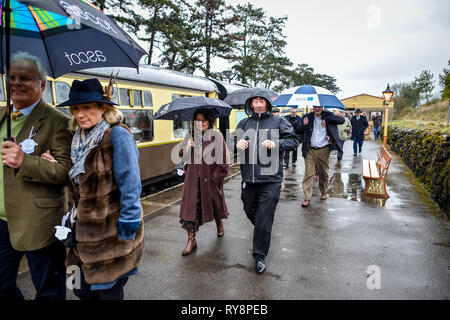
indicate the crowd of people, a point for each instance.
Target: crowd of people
{"x":94,"y":155}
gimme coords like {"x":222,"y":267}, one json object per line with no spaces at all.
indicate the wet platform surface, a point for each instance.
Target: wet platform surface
{"x":320,"y":252}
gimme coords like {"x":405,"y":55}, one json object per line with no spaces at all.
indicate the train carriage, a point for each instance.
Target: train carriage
{"x":139,"y":96}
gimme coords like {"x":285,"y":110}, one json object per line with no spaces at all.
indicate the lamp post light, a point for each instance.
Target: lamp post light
{"x":387,"y":94}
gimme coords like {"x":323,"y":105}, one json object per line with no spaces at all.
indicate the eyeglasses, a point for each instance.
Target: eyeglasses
{"x":317,"y":107}
{"x":23,"y":79}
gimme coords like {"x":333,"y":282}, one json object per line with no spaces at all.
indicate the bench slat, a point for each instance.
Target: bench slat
{"x":373,"y":169}
{"x":366,"y":168}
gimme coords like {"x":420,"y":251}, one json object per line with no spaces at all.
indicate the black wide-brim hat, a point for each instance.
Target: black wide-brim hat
{"x":89,"y":90}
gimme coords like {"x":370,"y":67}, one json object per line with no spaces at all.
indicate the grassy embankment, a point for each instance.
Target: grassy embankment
{"x":432,"y":117}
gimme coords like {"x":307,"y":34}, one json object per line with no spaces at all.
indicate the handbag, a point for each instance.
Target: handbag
{"x":66,"y":232}
{"x":180,"y":169}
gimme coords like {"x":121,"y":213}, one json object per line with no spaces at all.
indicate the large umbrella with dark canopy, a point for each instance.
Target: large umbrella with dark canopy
{"x":237,"y":98}
{"x":183,"y":109}
{"x":66,"y":35}
{"x":69,"y":35}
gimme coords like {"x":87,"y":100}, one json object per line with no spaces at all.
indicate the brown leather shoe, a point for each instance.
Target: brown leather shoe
{"x":324,"y":196}
{"x":220,"y":229}
{"x":191,"y":244}
{"x":305,"y":203}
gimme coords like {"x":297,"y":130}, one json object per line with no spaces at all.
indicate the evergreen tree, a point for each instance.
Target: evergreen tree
{"x":424,"y":84}
{"x":180,"y":46}
{"x":446,"y":93}
{"x":212,"y":19}
{"x":443,"y":76}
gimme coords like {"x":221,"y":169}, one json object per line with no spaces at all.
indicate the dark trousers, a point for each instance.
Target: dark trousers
{"x":260,"y":201}
{"x":357,"y":143}
{"x":286,"y":156}
{"x":340,"y":153}
{"x":114,"y":293}
{"x":47,"y":269}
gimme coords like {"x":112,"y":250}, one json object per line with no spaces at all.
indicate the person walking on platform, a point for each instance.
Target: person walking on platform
{"x":376,"y":125}
{"x":320,"y":132}
{"x":344,"y":131}
{"x":203,"y":197}
{"x":359,"y":125}
{"x":276,"y":112}
{"x":295,"y":121}
{"x":104,"y":189}
{"x":32,"y":191}
{"x":261,"y":138}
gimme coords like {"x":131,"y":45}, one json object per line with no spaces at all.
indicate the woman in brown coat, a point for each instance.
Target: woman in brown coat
{"x":203,"y":197}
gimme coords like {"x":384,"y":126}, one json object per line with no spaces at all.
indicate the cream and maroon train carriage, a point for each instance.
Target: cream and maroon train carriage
{"x":139,"y":96}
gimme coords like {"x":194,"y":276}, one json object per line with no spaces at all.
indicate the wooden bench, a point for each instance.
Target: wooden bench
{"x":374,"y":174}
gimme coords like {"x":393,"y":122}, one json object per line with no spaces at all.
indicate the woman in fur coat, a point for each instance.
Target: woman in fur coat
{"x":105,"y":188}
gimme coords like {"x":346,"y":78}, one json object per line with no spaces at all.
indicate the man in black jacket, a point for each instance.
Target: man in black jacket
{"x":359,"y":126}
{"x":260,"y":139}
{"x":320,"y":132}
{"x":295,"y":121}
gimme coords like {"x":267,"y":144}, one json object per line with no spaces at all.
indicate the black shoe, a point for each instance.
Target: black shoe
{"x":260,"y":266}
{"x":339,"y":158}
{"x":294,"y":165}
{"x":354,"y":154}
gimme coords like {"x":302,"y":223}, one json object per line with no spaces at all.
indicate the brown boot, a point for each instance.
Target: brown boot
{"x":220,"y":229}
{"x":191,"y":244}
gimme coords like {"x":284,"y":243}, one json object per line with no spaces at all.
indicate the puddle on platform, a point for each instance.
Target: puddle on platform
{"x":350,"y":186}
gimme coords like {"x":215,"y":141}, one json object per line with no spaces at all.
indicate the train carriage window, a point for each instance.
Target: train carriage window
{"x":137,"y":95}
{"x":62,"y":90}
{"x":124,"y":97}
{"x":148,"y":101}
{"x":140,"y":123}
{"x":47,"y":96}
{"x":115,"y":97}
{"x":180,"y":128}
{"x":2,"y":90}
{"x":65,"y":110}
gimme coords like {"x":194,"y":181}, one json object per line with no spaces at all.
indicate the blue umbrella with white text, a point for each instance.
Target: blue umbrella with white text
{"x":307,"y":96}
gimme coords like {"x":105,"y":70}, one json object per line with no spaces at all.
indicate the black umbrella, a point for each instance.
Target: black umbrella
{"x":237,"y":98}
{"x":66,"y":36}
{"x":69,"y":35}
{"x":183,"y":108}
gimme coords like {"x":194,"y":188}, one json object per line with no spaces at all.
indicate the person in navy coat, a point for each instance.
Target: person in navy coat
{"x":359,"y":125}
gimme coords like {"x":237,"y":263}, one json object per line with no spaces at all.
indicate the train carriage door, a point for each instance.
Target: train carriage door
{"x":180,"y":128}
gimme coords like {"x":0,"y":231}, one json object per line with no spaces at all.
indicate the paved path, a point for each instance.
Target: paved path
{"x":321,"y":252}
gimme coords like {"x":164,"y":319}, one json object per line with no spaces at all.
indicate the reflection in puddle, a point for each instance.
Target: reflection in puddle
{"x":350,"y":186}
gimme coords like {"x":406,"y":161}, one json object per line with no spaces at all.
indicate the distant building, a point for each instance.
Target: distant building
{"x":368,"y":104}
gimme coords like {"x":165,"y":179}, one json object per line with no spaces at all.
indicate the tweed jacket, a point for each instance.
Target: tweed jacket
{"x":35,"y":195}
{"x":104,"y":256}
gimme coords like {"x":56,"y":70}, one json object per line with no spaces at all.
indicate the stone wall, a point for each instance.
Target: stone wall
{"x":427,"y":154}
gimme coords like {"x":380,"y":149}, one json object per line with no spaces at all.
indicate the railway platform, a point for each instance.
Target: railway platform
{"x":347,"y":247}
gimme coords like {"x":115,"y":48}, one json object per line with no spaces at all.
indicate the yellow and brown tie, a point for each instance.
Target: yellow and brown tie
{"x":16,"y":115}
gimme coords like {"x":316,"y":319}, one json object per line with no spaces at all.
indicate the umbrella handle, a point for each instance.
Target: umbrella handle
{"x":8,"y":139}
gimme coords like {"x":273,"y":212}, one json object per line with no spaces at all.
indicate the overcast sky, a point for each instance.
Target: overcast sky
{"x":365,"y":44}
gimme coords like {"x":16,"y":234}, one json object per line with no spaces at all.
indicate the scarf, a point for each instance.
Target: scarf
{"x":83,"y":142}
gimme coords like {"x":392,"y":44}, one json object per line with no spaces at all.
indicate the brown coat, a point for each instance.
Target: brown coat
{"x":35,"y":195}
{"x":211,"y":182}
{"x":103,"y":255}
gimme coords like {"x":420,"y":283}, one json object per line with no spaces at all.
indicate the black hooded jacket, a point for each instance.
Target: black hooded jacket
{"x":331,"y":121}
{"x":256,"y":129}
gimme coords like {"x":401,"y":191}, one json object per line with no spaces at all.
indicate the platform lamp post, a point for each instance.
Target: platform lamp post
{"x":387,"y":93}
